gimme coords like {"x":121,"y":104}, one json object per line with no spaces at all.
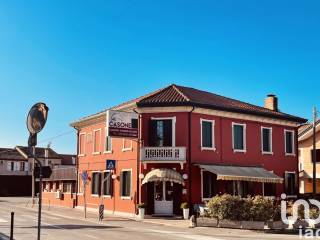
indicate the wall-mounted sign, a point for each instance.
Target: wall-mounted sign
{"x":110,"y":164}
{"x":122,"y":124}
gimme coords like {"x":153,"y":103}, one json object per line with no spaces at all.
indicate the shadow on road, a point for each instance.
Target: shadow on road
{"x":3,"y":236}
{"x":70,"y":226}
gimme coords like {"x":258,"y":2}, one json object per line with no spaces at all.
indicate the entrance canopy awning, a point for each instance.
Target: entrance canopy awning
{"x":240,"y":173}
{"x":163,"y":174}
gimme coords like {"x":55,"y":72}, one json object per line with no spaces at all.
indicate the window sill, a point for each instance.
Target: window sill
{"x":107,"y":196}
{"x":292,"y":196}
{"x":125,"y":198}
{"x":126,"y":149}
{"x":208,"y":149}
{"x":81,"y":155}
{"x":239,"y":151}
{"x":95,"y":195}
{"x":267,"y":153}
{"x":79,"y":194}
{"x":96,"y":153}
{"x":108,"y":152}
{"x":290,"y":155}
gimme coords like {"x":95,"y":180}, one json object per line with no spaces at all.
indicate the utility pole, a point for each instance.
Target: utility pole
{"x":314,"y":155}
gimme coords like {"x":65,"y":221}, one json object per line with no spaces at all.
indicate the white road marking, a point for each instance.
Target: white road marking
{"x":184,"y":235}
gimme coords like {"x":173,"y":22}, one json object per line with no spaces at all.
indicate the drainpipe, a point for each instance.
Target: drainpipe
{"x":189,"y":154}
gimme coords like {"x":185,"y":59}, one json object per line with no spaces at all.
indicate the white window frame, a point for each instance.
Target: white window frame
{"x":213,"y":148}
{"x":82,"y":154}
{"x":105,"y":143}
{"x":110,"y":171}
{"x":126,"y":197}
{"x":296,"y":179}
{"x":94,"y":195}
{"x":94,"y":142}
{"x":270,"y":140}
{"x":124,"y":149}
{"x":174,"y":121}
{"x":244,"y":150}
{"x":293,"y":143}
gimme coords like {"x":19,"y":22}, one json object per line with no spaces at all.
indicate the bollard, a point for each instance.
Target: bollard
{"x":11,"y":228}
{"x":101,"y":212}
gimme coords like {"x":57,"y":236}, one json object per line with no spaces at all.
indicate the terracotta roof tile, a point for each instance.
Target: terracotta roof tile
{"x":175,"y":95}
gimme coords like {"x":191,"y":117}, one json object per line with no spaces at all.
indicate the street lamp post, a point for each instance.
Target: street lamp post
{"x":36,"y":121}
{"x":314,"y":153}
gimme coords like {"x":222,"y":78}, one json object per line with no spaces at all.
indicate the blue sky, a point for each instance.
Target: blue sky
{"x":83,"y":56}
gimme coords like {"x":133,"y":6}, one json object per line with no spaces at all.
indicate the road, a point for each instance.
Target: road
{"x":69,"y":224}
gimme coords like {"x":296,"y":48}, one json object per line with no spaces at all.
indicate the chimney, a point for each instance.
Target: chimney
{"x":271,"y":102}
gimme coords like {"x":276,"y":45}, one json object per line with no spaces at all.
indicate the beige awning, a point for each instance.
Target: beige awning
{"x":163,"y":174}
{"x":240,"y":173}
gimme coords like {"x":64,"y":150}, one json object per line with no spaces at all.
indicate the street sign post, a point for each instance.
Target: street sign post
{"x":84,"y":178}
{"x":36,"y":120}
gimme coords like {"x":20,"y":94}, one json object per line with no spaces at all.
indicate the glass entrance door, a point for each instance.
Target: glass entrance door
{"x":163,"y":198}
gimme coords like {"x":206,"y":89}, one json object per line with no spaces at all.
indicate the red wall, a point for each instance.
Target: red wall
{"x":278,"y":162}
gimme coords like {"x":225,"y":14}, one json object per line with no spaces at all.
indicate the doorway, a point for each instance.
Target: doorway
{"x":163,"y":198}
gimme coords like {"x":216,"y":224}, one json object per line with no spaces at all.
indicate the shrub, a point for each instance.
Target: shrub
{"x":184,"y":205}
{"x":314,"y":213}
{"x":243,"y":209}
{"x":262,"y":209}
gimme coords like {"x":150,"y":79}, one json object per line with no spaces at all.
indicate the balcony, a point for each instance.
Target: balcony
{"x":163,"y":154}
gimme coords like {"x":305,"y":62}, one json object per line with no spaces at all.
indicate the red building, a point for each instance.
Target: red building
{"x":192,"y":145}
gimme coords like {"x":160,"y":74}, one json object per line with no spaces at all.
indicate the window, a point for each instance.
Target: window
{"x":209,"y":181}
{"x":107,"y":184}
{"x":67,"y":187}
{"x":207,"y":134}
{"x":126,"y":145}
{"x":266,"y":137}
{"x":125,"y":179}
{"x":289,"y":142}
{"x":22,"y":166}
{"x":96,"y":143}
{"x":239,"y":137}
{"x":290,"y":183}
{"x":240,"y":188}
{"x":108,"y":144}
{"x":82,"y":143}
{"x":317,"y":155}
{"x":80,"y":184}
{"x":96,"y":183}
{"x":161,"y":133}
{"x":12,"y":166}
{"x":269,"y":189}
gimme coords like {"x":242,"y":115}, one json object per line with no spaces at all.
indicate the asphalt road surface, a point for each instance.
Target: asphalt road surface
{"x":69,"y":224}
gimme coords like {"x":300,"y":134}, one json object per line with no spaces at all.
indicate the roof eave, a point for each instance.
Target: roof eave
{"x":194,"y":104}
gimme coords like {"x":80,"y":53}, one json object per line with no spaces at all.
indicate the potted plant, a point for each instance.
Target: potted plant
{"x":185,"y":208}
{"x":141,"y":208}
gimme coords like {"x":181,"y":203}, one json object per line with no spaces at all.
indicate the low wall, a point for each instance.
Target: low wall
{"x":66,"y":200}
